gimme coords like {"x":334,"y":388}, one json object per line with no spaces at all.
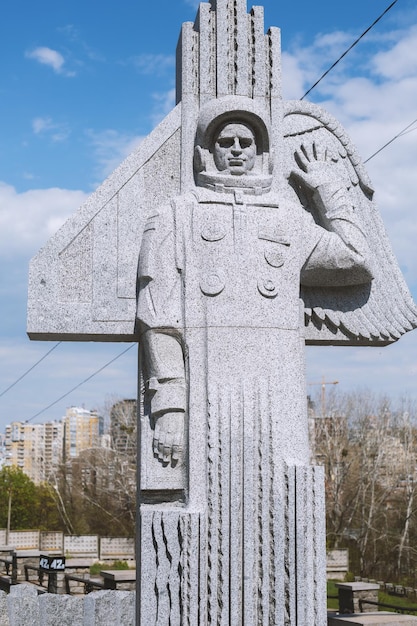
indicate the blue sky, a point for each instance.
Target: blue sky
{"x":82,"y":83}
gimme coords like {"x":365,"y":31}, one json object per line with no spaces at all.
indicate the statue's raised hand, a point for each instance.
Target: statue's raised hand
{"x":316,"y":166}
{"x":168,"y":440}
{"x":319,"y":171}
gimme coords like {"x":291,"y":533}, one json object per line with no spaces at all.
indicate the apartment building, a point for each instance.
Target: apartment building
{"x":82,"y":430}
{"x":35,"y":448}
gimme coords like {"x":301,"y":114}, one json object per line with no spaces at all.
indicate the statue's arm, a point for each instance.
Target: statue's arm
{"x":159,"y":318}
{"x":164,"y":374}
{"x":341,"y":255}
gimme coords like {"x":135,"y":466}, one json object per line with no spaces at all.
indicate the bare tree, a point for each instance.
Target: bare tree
{"x":96,"y":490}
{"x":368,"y":449}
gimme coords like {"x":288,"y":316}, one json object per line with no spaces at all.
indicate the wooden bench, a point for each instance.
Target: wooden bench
{"x":9,"y":576}
{"x":90,"y":584}
{"x":113,"y":578}
{"x":5,"y":583}
{"x":40,"y":574}
{"x":7,"y":562}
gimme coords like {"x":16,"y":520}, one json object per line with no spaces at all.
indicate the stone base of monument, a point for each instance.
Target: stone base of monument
{"x":374,"y":619}
{"x":234,"y":551}
{"x":24,"y":607}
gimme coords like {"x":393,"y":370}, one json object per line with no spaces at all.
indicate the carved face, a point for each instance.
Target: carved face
{"x":235,"y":149}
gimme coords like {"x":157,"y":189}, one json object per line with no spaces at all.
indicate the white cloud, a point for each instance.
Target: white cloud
{"x":373,"y":94}
{"x":155,"y":64}
{"x":65,"y":368}
{"x":334,"y":43}
{"x":70,"y":31}
{"x":28,"y":219}
{"x":45,"y":125}
{"x":193,"y":3}
{"x":111,"y":148}
{"x":390,"y":370}
{"x":74,"y":36}
{"x":163,"y":103}
{"x":303,"y":66}
{"x":50,"y":57}
{"x":293,"y":76}
{"x":40,"y":124}
{"x":374,"y":100}
{"x":401,"y":60}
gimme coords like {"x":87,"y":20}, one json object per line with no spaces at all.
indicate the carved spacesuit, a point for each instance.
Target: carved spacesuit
{"x":230,"y":256}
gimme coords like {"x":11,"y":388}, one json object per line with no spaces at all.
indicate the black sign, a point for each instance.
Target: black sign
{"x":52,"y":563}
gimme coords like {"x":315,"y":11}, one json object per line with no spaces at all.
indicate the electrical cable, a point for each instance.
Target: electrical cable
{"x":30,"y":369}
{"x":349,"y":49}
{"x":405,"y":131}
{"x":80,"y":384}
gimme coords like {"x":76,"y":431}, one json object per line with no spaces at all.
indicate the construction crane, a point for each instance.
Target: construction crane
{"x":323,"y":392}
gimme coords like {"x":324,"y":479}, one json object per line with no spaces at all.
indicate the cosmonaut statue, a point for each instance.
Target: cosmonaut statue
{"x":259,"y":235}
{"x":230,"y":257}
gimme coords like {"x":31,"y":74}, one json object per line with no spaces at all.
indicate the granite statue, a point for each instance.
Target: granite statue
{"x":233,"y":245}
{"x":242,"y":229}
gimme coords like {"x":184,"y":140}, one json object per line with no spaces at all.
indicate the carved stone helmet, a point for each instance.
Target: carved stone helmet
{"x":213,"y":117}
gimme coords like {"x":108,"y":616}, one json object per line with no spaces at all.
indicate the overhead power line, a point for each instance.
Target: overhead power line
{"x":405,"y":131}
{"x":349,"y":49}
{"x":30,"y":369}
{"x":80,"y":384}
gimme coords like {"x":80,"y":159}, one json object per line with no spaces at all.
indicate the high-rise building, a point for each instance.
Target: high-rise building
{"x":35,"y":448}
{"x":53,"y":446}
{"x":82,"y":430}
{"x":38,"y":449}
{"x":3,"y":455}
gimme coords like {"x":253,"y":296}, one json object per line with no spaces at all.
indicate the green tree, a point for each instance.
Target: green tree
{"x":47,"y":512}
{"x":31,"y":506}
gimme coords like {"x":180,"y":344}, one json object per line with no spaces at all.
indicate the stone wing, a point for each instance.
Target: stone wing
{"x":374,"y":314}
{"x":82,"y":284}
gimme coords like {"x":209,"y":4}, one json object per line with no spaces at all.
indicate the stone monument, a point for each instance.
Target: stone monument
{"x":256,"y":232}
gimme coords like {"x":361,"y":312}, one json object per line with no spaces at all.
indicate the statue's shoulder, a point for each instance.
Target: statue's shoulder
{"x":188,"y":198}
{"x":162,"y":216}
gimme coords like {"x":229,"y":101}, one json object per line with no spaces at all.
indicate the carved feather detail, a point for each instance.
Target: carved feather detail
{"x":378,"y":313}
